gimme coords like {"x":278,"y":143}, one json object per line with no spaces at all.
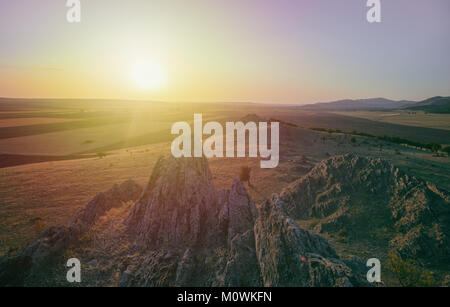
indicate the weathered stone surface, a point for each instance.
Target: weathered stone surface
{"x":182,"y":232}
{"x":420,"y":212}
{"x":209,"y":232}
{"x":242,"y":268}
{"x":104,"y":201}
{"x":241,"y":210}
{"x":179,"y":205}
{"x":291,"y":256}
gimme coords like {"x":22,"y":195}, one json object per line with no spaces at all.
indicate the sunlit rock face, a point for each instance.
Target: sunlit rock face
{"x":221,"y":238}
{"x":180,"y":231}
{"x":179,"y":205}
{"x":291,"y":256}
{"x":207,"y":235}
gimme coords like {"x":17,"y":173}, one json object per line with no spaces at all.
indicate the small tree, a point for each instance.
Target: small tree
{"x":244,"y":174}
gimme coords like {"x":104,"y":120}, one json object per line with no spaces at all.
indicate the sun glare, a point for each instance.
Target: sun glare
{"x":148,"y":75}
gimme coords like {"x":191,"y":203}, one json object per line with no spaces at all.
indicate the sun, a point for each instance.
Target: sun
{"x":148,"y":75}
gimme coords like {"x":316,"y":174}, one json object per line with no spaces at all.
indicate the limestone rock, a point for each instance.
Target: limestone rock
{"x":417,"y":210}
{"x":178,"y":206}
{"x":291,"y":256}
{"x":182,"y":232}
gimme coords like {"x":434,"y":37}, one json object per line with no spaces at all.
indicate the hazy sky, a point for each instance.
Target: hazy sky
{"x":282,"y":51}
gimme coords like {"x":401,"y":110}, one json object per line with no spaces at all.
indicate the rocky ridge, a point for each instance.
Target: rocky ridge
{"x":181,"y":231}
{"x":415,"y":210}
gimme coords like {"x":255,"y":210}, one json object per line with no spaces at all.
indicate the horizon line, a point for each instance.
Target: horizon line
{"x":206,"y":102}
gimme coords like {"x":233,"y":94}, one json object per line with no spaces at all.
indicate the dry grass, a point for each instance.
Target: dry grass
{"x":15,"y":122}
{"x":55,"y":191}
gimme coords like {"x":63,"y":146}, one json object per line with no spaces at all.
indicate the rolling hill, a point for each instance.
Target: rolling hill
{"x":359,"y":104}
{"x":436,"y":104}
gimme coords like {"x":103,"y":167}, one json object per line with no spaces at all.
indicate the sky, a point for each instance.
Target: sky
{"x":268,"y":51}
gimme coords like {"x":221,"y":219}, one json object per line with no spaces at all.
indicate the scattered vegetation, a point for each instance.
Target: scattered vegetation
{"x":409,"y":273}
{"x":435,"y":147}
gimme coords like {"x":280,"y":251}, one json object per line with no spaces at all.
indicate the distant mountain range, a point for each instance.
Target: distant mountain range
{"x":360,"y":104}
{"x":436,"y":104}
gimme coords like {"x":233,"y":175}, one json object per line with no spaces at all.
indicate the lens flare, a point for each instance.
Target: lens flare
{"x":148,"y":75}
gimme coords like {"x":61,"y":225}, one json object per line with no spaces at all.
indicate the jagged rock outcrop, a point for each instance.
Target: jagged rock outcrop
{"x":208,"y":233}
{"x":182,"y":232}
{"x":237,"y":209}
{"x":338,"y":189}
{"x":225,"y":240}
{"x":179,"y":205}
{"x":128,"y":191}
{"x":291,"y":256}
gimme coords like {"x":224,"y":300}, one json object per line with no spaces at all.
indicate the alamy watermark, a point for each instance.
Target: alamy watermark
{"x":74,"y":11}
{"x":74,"y":273}
{"x":213,"y":146}
{"x":374,"y":13}
{"x":374,"y":274}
